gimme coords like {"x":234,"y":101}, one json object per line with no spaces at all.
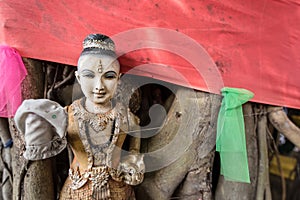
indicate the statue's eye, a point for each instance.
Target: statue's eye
{"x":88,"y":75}
{"x":110,"y":75}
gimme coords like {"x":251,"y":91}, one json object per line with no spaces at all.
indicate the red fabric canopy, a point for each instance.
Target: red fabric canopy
{"x":199,"y":44}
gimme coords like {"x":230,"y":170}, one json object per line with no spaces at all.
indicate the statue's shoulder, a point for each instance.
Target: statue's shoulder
{"x":74,"y":107}
{"x":127,"y":118}
{"x":71,"y":111}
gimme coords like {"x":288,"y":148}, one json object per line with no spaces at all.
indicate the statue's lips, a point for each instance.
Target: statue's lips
{"x":99,"y":94}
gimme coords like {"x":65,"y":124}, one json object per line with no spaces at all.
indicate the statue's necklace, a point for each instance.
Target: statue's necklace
{"x":98,"y":122}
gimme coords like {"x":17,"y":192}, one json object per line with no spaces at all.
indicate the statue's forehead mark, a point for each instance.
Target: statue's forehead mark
{"x":100,"y":67}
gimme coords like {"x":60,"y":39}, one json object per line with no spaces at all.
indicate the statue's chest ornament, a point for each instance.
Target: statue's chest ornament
{"x":100,"y":174}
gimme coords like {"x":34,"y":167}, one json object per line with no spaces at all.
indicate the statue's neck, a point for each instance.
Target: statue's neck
{"x":97,"y":108}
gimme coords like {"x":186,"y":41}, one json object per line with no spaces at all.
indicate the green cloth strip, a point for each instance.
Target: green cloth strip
{"x":230,"y":141}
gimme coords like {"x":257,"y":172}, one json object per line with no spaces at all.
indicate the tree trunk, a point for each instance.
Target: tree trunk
{"x":192,"y":116}
{"x":32,"y":180}
{"x":263,"y":182}
{"x":229,"y":190}
{"x":5,"y":160}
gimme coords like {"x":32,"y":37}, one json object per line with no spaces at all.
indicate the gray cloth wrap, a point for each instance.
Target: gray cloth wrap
{"x":43,"y":123}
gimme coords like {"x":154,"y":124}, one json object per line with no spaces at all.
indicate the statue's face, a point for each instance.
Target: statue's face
{"x":98,"y":77}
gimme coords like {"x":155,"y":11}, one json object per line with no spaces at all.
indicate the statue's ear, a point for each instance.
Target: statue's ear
{"x":77,"y":76}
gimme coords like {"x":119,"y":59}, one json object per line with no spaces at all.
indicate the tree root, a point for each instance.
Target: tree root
{"x":283,"y":124}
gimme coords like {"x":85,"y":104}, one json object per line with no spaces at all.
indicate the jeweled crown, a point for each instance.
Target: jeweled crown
{"x":101,"y":44}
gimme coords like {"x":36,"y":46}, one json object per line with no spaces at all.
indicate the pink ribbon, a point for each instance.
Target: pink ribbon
{"x":12,"y":73}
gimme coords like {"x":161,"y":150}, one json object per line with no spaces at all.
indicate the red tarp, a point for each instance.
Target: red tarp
{"x":253,"y":44}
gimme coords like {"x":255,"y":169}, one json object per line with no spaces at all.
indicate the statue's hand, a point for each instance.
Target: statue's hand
{"x":133,"y":169}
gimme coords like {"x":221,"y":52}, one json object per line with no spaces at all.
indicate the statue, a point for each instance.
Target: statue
{"x":106,"y":158}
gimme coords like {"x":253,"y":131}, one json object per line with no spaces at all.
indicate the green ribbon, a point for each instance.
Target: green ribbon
{"x":231,"y":142}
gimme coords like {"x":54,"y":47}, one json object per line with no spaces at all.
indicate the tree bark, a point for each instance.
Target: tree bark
{"x":5,"y":160}
{"x":32,"y":180}
{"x":229,"y":190}
{"x":263,"y":183}
{"x":189,"y":176}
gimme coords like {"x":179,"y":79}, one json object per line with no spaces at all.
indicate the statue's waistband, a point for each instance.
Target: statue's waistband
{"x":97,"y":175}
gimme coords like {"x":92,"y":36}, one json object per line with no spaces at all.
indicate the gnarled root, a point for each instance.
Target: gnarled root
{"x":283,"y":124}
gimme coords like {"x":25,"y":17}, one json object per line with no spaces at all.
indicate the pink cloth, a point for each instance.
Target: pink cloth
{"x":12,"y":73}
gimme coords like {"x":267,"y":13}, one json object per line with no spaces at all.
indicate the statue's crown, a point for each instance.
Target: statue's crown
{"x":101,"y":44}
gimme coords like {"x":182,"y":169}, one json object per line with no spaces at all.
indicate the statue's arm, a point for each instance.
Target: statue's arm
{"x":135,"y":133}
{"x":133,"y":166}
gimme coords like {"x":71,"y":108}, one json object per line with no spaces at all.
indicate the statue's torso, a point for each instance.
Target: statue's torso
{"x":93,"y":142}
